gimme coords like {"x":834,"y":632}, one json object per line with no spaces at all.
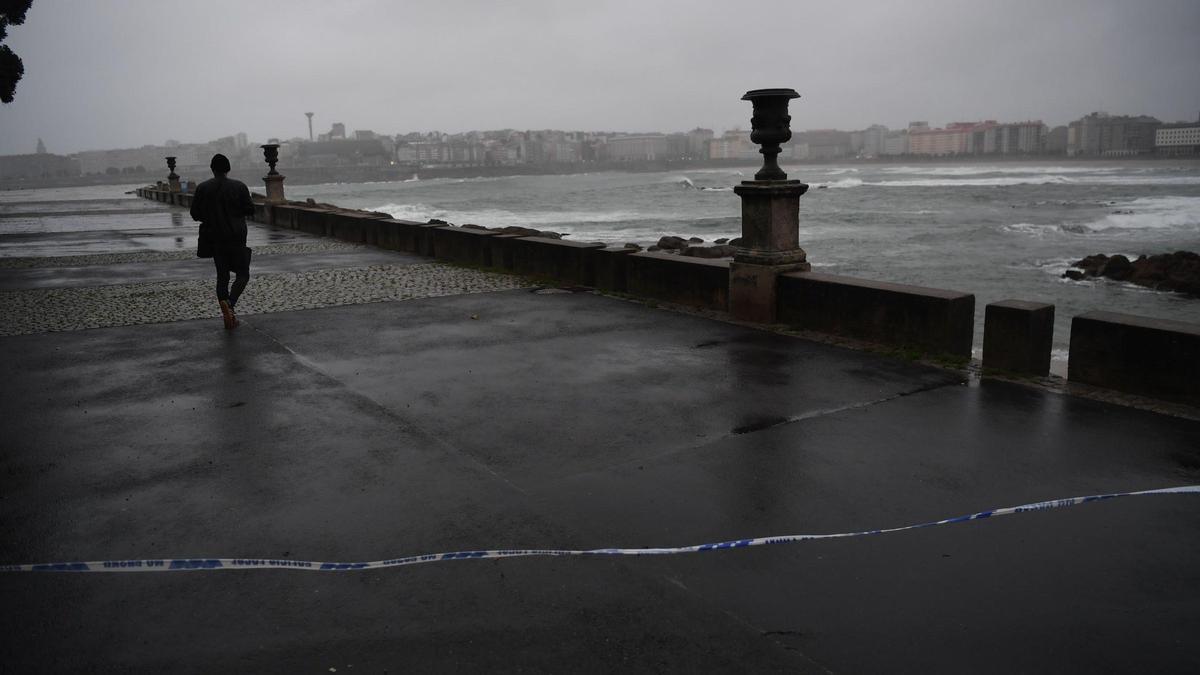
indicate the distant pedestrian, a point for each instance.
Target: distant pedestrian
{"x":221,"y":204}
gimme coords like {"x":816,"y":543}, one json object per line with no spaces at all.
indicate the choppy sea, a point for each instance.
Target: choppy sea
{"x":999,"y":231}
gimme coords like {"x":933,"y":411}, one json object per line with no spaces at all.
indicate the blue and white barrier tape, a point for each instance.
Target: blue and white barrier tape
{"x":189,"y":564}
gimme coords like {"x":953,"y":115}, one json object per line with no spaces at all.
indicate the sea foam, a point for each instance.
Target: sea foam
{"x":503,"y":218}
{"x":1152,"y":213}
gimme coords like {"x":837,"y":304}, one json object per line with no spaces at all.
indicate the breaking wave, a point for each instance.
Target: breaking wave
{"x":689,"y":184}
{"x":971,"y":177}
{"x":1143,"y":213}
{"x":1046,"y":179}
{"x":503,"y":218}
{"x":1146,"y":213}
{"x":841,"y":183}
{"x":1043,"y":229}
{"x":989,"y":168}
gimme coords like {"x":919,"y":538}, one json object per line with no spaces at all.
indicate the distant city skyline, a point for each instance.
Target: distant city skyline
{"x":104,"y":76}
{"x":348,"y":131}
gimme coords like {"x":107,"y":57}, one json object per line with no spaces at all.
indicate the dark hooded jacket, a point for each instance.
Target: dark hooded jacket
{"x":222,"y":205}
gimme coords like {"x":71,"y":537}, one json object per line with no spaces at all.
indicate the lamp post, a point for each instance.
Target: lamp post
{"x":770,"y":242}
{"x":172,"y":177}
{"x":273,"y":179}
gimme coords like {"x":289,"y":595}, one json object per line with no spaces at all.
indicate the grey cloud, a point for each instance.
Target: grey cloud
{"x":117,"y":74}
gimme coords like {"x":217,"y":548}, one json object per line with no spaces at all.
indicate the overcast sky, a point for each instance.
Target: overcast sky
{"x":122,"y":73}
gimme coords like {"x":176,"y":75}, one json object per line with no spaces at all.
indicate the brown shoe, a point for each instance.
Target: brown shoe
{"x":227,"y":314}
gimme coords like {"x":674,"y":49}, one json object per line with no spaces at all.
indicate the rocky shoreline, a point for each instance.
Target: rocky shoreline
{"x":692,"y":247}
{"x":1177,"y":272}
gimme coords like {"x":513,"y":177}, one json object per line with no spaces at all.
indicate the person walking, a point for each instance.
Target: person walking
{"x":221,"y":205}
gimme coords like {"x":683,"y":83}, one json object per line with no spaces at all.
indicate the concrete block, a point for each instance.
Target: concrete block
{"x":1158,"y":358}
{"x":930,"y":319}
{"x":567,"y":262}
{"x":752,"y":289}
{"x":502,"y":251}
{"x":388,"y":235}
{"x":696,"y":282}
{"x":262,"y":213}
{"x":1017,"y":336}
{"x":312,"y":221}
{"x":415,"y":237}
{"x":370,"y":228}
{"x":609,"y":268}
{"x":283,"y":215}
{"x":463,"y":245}
{"x":350,"y":227}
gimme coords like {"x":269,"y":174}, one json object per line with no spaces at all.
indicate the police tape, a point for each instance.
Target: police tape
{"x":196,"y":564}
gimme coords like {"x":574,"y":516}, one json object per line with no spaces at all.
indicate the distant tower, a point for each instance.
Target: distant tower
{"x":41,"y":147}
{"x":309,"y":116}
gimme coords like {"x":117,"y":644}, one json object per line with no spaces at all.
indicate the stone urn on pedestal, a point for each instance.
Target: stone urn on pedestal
{"x":770,"y":243}
{"x":172,"y":177}
{"x":273,"y":180}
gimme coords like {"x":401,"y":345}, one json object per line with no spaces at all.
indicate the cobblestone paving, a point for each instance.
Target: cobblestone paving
{"x":319,"y":246}
{"x":63,"y":309}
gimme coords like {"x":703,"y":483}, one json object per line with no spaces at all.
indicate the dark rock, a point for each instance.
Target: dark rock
{"x":722,"y":240}
{"x":437,"y":221}
{"x":1118,"y":267}
{"x":721,"y":251}
{"x":636,"y":247}
{"x":736,"y":241}
{"x":654,"y":247}
{"x":695,"y":240}
{"x":310,"y":201}
{"x":672,"y":243}
{"x":1091,"y":264}
{"x":472,"y":226}
{"x":522,"y":231}
{"x":1178,"y":271}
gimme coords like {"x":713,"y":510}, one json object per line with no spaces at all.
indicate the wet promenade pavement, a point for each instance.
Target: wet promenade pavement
{"x":118,"y":262}
{"x":511,"y":418}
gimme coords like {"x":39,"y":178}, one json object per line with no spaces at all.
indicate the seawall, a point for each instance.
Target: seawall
{"x":1112,"y":351}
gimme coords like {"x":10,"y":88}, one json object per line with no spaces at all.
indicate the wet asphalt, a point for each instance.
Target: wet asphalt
{"x":566,"y":420}
{"x":571,"y":420}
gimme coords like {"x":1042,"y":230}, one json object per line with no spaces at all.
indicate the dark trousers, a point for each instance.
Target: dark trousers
{"x":227,"y":259}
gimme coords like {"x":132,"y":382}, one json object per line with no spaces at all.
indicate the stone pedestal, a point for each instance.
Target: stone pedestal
{"x":173,"y":184}
{"x":770,"y":246}
{"x":274,"y":189}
